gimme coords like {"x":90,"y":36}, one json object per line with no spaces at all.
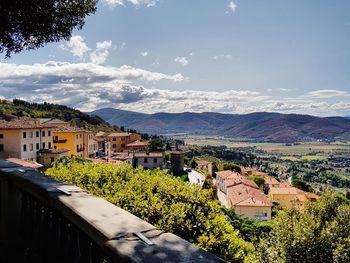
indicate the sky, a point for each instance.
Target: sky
{"x":240,"y":56}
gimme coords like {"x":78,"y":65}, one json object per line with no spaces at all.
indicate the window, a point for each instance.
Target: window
{"x":77,"y":136}
{"x":24,"y":147}
{"x":37,"y":134}
{"x":155,"y":160}
{"x":43,"y":145}
{"x":1,"y":136}
{"x":55,"y":147}
{"x":24,"y":135}
{"x":43,"y":133}
{"x":114,"y":139}
{"x":30,"y":134}
{"x":31,"y":147}
{"x":80,"y":136}
{"x":145,"y":160}
{"x":49,"y":145}
{"x":55,"y":138}
{"x":52,"y":159}
{"x":37,"y":146}
{"x":49,"y":133}
{"x":1,"y":147}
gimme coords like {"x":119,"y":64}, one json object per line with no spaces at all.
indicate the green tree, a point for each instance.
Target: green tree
{"x":319,"y":234}
{"x":156,"y":145}
{"x":31,"y":24}
{"x":259,"y":180}
{"x":232,"y":167}
{"x":298,"y":183}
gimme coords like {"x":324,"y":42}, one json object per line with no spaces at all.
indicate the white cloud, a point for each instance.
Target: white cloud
{"x":327,"y":93}
{"x":144,"y":54}
{"x":231,"y":7}
{"x":88,"y":86}
{"x":222,"y":56}
{"x":100,"y":55}
{"x":77,"y":46}
{"x":181,"y":60}
{"x":137,"y":3}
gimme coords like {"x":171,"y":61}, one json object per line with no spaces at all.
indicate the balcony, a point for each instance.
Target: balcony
{"x":43,"y":220}
{"x":80,"y":149}
{"x":60,"y":141}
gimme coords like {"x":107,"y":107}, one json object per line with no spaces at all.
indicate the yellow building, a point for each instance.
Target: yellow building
{"x":289,"y":197}
{"x":70,"y":138}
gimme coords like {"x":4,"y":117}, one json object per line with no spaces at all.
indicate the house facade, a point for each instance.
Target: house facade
{"x":22,"y":138}
{"x":70,"y":138}
{"x":149,"y":160}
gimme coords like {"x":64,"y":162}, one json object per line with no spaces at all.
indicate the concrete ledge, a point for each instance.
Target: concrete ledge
{"x":111,"y":227}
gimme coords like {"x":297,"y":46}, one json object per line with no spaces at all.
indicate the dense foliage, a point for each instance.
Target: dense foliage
{"x":22,"y":108}
{"x":319,"y":234}
{"x":163,"y":200}
{"x":32,"y":24}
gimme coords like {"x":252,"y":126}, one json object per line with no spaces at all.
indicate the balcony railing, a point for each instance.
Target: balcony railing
{"x":60,"y":141}
{"x":43,"y":220}
{"x":80,"y":149}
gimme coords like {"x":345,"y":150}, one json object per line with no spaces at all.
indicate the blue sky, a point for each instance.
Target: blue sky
{"x":195,"y":55}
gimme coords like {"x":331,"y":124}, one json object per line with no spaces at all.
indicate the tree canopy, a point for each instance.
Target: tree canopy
{"x":31,"y":24}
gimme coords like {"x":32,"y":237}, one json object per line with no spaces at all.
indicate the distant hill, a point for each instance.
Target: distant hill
{"x":262,"y":126}
{"x":22,"y":108}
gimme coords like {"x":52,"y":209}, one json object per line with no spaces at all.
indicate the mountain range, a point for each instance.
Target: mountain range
{"x":260,"y":126}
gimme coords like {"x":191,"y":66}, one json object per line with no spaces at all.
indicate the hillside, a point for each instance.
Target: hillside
{"x":262,"y":126}
{"x":22,"y":108}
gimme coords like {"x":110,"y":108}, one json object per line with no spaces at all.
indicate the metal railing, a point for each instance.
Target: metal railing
{"x":43,"y":220}
{"x":60,"y":141}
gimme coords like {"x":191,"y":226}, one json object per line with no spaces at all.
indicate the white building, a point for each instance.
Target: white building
{"x":22,"y":138}
{"x":149,"y":160}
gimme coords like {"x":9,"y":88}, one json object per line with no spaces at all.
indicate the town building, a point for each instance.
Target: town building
{"x":150,"y":160}
{"x":70,"y":138}
{"x":118,"y":141}
{"x":243,"y":195}
{"x":249,"y":202}
{"x":136,"y":146}
{"x":291,"y":197}
{"x":47,"y":156}
{"x":90,"y":145}
{"x":22,"y":138}
{"x":206,"y":166}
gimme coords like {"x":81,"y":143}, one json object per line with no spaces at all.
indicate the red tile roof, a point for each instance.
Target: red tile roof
{"x":23,"y":124}
{"x":243,"y":195}
{"x":233,"y":178}
{"x":136,"y":144}
{"x":69,"y":129}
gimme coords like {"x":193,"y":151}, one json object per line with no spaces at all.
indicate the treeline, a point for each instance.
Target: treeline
{"x":21,"y":108}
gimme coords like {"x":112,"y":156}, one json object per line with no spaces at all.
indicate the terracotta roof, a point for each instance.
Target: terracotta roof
{"x":136,"y":143}
{"x":56,"y":151}
{"x":69,"y":129}
{"x":269,"y":180}
{"x":224,"y":174}
{"x":242,"y":195}
{"x":285,"y":185}
{"x":24,"y":163}
{"x":284,"y":191}
{"x":101,"y":134}
{"x":23,"y":124}
{"x":202,"y":162}
{"x":152,"y":154}
{"x":118,"y":134}
{"x":233,"y":178}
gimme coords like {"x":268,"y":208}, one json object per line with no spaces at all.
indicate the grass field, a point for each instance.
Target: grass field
{"x":303,"y":151}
